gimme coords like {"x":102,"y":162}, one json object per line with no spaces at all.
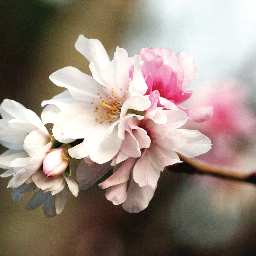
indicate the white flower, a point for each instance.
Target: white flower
{"x":28,"y":142}
{"x":96,"y":108}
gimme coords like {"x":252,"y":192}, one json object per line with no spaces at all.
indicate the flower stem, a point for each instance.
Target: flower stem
{"x":200,"y":167}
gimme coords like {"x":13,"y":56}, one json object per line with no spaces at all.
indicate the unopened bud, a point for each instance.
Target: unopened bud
{"x":55,"y":162}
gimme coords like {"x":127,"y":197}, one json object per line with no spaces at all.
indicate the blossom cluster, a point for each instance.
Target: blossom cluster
{"x":125,"y":121}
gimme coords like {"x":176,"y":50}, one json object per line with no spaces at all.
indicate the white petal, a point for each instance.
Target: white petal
{"x":72,"y":185}
{"x":35,"y":141}
{"x":8,"y":173}
{"x":43,"y":182}
{"x":32,"y":118}
{"x":102,"y":147}
{"x":8,"y":156}
{"x":161,"y":157}
{"x":142,"y":137}
{"x":167,"y":104}
{"x":36,"y":161}
{"x":60,"y":100}
{"x":58,"y":190}
{"x":138,"y":197}
{"x":19,"y":162}
{"x":119,"y":158}
{"x":139,"y":103}
{"x":73,"y":123}
{"x":81,"y":86}
{"x":33,"y":165}
{"x":11,"y":109}
{"x":87,"y":175}
{"x":19,"y":178}
{"x":138,"y":83}
{"x":61,"y":199}
{"x":115,"y":75}
{"x":92,"y":49}
{"x":117,"y":194}
{"x":197,"y":143}
{"x":49,"y":114}
{"x":79,"y":151}
{"x":12,"y":136}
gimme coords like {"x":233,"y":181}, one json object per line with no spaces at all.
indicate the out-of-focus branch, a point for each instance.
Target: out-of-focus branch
{"x":192,"y":166}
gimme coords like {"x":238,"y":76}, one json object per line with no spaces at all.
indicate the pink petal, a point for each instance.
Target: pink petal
{"x":120,"y":176}
{"x":117,"y":194}
{"x":144,"y":173}
{"x":138,"y":197}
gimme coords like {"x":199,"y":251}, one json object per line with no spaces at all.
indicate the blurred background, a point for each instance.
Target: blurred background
{"x":189,"y":215}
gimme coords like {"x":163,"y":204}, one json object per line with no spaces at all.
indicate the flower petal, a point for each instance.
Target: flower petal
{"x":35,"y":141}
{"x":81,"y":86}
{"x":92,"y":49}
{"x":11,"y":109}
{"x":102,"y":147}
{"x":61,"y":199}
{"x":19,"y":192}
{"x":115,"y":75}
{"x":8,"y":156}
{"x":138,"y":197}
{"x":50,"y":114}
{"x":189,"y":66}
{"x":37,"y":199}
{"x":72,"y":185}
{"x":197,"y":143}
{"x":49,"y":206}
{"x":79,"y":151}
{"x":138,"y":103}
{"x":120,"y":176}
{"x":117,"y":194}
{"x":43,"y":182}
{"x":144,"y":173}
{"x":87,"y":175}
{"x":138,"y":83}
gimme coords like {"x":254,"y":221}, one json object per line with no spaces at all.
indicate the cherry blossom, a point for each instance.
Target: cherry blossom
{"x":96,"y":108}
{"x":168,"y":74}
{"x":28,"y":143}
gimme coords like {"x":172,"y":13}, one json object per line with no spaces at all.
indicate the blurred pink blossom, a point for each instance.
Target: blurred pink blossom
{"x":232,"y":125}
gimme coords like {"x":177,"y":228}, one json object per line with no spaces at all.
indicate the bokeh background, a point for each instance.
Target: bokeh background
{"x":189,"y":215}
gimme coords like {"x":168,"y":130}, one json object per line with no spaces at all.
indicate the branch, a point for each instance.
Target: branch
{"x":196,"y":166}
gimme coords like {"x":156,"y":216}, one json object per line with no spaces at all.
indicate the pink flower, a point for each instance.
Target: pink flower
{"x":55,"y":162}
{"x":232,"y":122}
{"x":150,"y":145}
{"x":166,"y":75}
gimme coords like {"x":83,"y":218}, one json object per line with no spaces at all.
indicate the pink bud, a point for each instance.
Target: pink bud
{"x":55,"y":162}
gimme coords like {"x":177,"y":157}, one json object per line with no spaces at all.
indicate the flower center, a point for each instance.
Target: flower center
{"x":109,"y":109}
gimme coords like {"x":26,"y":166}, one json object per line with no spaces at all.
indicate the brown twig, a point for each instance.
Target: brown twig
{"x":200,"y":167}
